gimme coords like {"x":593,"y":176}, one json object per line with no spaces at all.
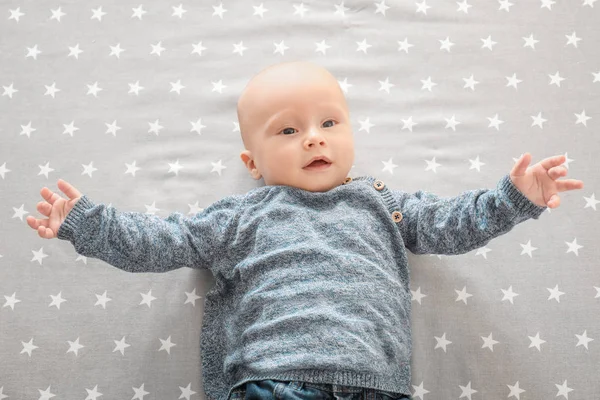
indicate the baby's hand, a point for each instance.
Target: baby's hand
{"x":55,"y":208}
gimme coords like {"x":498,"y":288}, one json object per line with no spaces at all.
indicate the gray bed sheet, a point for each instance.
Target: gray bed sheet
{"x":134,"y":104}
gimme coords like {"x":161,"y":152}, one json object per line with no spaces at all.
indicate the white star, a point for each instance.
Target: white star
{"x":74,"y":346}
{"x":463,"y":295}
{"x":589,"y":3}
{"x":345,"y":85}
{"x":121,"y":345}
{"x":300,"y":9}
{"x":432,"y":165}
{"x":555,"y":293}
{"x":470,"y":83}
{"x":102,"y":300}
{"x":583,"y":340}
{"x":509,"y":294}
{"x":538,"y":120}
{"x":464,"y":6}
{"x":527,"y":248}
{"x":555,"y":79}
{"x":322,"y":47}
{"x":28,"y":348}
{"x":198,"y":48}
{"x":38,"y":255}
{"x":365,"y":125}
{"x":466,"y":391}
{"x":147,"y":298}
{"x":239,"y":48}
{"x":574,"y":247}
{"x":166,"y":345}
{"x":582,"y":118}
{"x":515,"y":391}
{"x":131,"y":168}
{"x":260,"y":10}
{"x":530,"y":41}
{"x":15,"y":14}
{"x":442,"y":342}
{"x":489,"y":342}
{"x":488,"y":43}
{"x":93,"y":394}
{"x":513,"y":81}
{"x":197,"y":126}
{"x":563,"y":389}
{"x":157,"y":48}
{"x":135,"y":88}
{"x":186,"y":392}
{"x":547,"y":4}
{"x":389,"y":166}
{"x":404,"y":45}
{"x":45,"y":169}
{"x":75,"y":51}
{"x":422,"y":7}
{"x":280,"y":48}
{"x":505,"y":4}
{"x":11,"y":301}
{"x":219,"y":10}
{"x":116,"y":50}
{"x":70,"y":129}
{"x":417,"y":295}
{"x":27,"y":129}
{"x":93,"y":89}
{"x":573,"y":39}
{"x":419,"y":391}
{"x":340,"y":9}
{"x":88,"y":169}
{"x":51,"y":90}
{"x":452,"y":122}
{"x":112,"y":128}
{"x":363,"y":46}
{"x":386,"y":85}
{"x":138,"y":12}
{"x":217,"y":167}
{"x":446,"y":44}
{"x":591,"y":201}
{"x":536,"y":341}
{"x":150,"y":210}
{"x":408,"y":123}
{"x":218,"y":86}
{"x":381,"y":7}
{"x":428,"y":84}
{"x":178,"y":11}
{"x":98,"y":13}
{"x":9,"y":90}
{"x":476,"y":164}
{"x":175,"y":167}
{"x":57,"y":300}
{"x":57,"y":14}
{"x":33,"y":52}
{"x":483,"y":251}
{"x":176,"y":86}
{"x":4,"y":170}
{"x":192,"y":296}
{"x":155,"y":127}
{"x":495,"y":122}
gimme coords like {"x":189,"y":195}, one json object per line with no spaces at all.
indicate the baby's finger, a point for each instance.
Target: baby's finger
{"x":44,"y":208}
{"x":36,"y":223}
{"x":68,"y":189}
{"x":49,"y":195}
{"x":45,"y":233}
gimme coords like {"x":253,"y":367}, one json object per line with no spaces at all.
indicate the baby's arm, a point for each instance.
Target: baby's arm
{"x":457,"y":225}
{"x":137,"y":242}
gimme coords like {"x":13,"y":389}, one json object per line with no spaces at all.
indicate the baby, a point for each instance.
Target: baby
{"x":311,"y":296}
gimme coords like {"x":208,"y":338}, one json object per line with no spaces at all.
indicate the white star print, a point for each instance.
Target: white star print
{"x":530,"y":41}
{"x":88,"y":169}
{"x":528,"y":248}
{"x":219,"y":10}
{"x":555,"y":79}
{"x":175,"y":167}
{"x":408,"y":123}
{"x":404,"y":45}
{"x":582,"y":118}
{"x":489,"y":342}
{"x":166,"y":345}
{"x":563,"y":390}
{"x":451,"y":123}
{"x":45,"y":169}
{"x":363,"y":46}
{"x":583,"y":340}
{"x":147,"y":298}
{"x":466,"y":391}
{"x":538,"y":120}
{"x":98,"y":13}
{"x":419,"y":391}
{"x":300,"y":9}
{"x":217,"y":167}
{"x":386,"y":85}
{"x":555,"y":293}
{"x":322,"y":47}
{"x":470,"y":83}
{"x":131,"y":168}
{"x":574,"y":247}
{"x":432,"y":165}
{"x":260,"y":10}
{"x":589,"y":201}
{"x":15,"y":14}
{"x":488,"y":42}
{"x":476,"y":164}
{"x":463,"y":295}
{"x":121,"y":346}
{"x":536,"y":341}
{"x":381,"y":7}
{"x":178,"y":11}
{"x":515,"y":391}
{"x":417,"y":295}
{"x":365,"y":125}
{"x":442,"y":342}
{"x":138,"y":12}
{"x":573,"y":39}
{"x":389,"y":166}
{"x":57,"y":14}
{"x":11,"y":301}
{"x":509,"y":294}
{"x":56,"y":300}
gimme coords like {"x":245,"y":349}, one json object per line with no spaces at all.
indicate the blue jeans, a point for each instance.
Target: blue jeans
{"x":278,"y":390}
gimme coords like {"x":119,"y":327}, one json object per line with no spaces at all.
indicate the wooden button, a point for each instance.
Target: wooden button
{"x":379,"y":185}
{"x":397,"y":216}
{"x":348,"y":180}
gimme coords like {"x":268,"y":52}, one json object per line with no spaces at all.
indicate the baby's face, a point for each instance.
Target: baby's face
{"x":293,"y":119}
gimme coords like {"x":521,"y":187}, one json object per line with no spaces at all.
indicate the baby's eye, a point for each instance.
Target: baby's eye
{"x":329,"y":120}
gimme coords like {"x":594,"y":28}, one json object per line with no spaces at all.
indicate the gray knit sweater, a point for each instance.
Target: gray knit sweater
{"x":309,"y":286}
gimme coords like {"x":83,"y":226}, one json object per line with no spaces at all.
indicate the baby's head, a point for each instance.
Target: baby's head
{"x":288,"y":114}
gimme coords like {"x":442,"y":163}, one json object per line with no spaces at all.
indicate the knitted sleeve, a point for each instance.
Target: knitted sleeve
{"x":457,"y":225}
{"x":137,"y":242}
